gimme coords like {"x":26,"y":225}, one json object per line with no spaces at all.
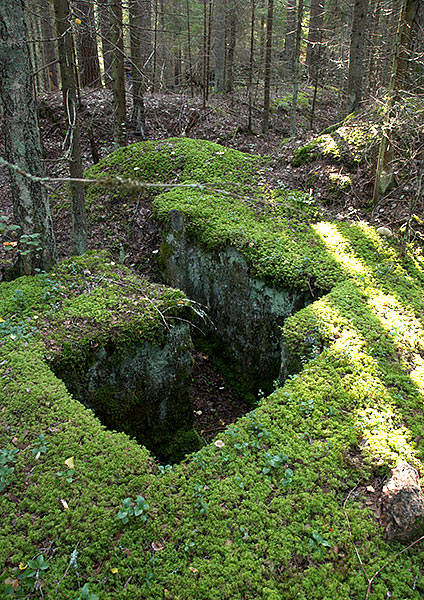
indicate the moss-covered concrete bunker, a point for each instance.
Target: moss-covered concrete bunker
{"x":114,"y":340}
{"x":279,"y":508}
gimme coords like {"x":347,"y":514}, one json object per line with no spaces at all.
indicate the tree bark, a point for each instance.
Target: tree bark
{"x":67,"y":73}
{"x":49,"y":45}
{"x":296,"y":68}
{"x":138,"y":116}
{"x":104,"y":19}
{"x":315,"y":25}
{"x":251,"y":58}
{"x":356,"y":56}
{"x":22,"y":142}
{"x":289,"y":38}
{"x":231,"y":47}
{"x":384,"y":170}
{"x":88,"y":58}
{"x":118,"y":75}
{"x":267,"y":78}
{"x":220,"y":31}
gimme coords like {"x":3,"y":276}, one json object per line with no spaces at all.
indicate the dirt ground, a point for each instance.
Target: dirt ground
{"x":223,"y":121}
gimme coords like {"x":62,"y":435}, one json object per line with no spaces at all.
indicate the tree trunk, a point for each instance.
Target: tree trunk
{"x":190,"y":61}
{"x":67,"y":73}
{"x":205,"y":47}
{"x":21,"y":138}
{"x":88,"y":58}
{"x":49,"y":46}
{"x":315,"y":25}
{"x":251,"y":57}
{"x":220,"y":46}
{"x":155,"y":46}
{"x":356,"y":56}
{"x":296,"y":69}
{"x":231,"y":47}
{"x":137,"y":118}
{"x":146,"y":41}
{"x":384,"y":170}
{"x":118,"y":75}
{"x":267,"y":78}
{"x":104,"y":18}
{"x":289,"y":38}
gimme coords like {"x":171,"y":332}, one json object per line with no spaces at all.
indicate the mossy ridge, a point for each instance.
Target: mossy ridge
{"x":90,"y":299}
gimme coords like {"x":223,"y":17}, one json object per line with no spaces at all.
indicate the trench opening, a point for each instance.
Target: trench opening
{"x":216,"y":397}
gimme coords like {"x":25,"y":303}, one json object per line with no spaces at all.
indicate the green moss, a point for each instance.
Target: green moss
{"x":230,"y":521}
{"x":348,"y":144}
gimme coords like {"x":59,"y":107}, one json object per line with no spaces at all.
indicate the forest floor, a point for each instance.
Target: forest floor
{"x":223,"y":121}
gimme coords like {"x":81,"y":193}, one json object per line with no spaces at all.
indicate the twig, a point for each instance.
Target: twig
{"x":350,"y":530}
{"x":370,"y":581}
{"x":386,"y":564}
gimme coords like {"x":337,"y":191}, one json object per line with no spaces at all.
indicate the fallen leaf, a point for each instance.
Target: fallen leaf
{"x":69,"y":462}
{"x":370,"y":489}
{"x":11,"y":244}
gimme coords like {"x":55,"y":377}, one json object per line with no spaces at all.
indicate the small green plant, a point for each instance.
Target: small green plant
{"x":164,"y":469}
{"x":273,"y":462}
{"x":133,"y":509}
{"x":85,"y":594}
{"x":68,"y":474}
{"x":40,"y":446}
{"x":288,"y":477}
{"x":307,"y":407}
{"x":201,"y":505}
{"x":6,"y":471}
{"x":26,"y":579}
{"x":317,"y":542}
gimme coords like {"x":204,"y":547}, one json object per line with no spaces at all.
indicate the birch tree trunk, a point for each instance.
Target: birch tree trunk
{"x":21,"y":137}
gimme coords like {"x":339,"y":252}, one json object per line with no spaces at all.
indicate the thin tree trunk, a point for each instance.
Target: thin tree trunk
{"x":88,"y":58}
{"x":231,"y":47}
{"x":251,"y":57}
{"x":22,"y":142}
{"x":208,"y":52}
{"x":314,"y":33}
{"x":296,"y":69}
{"x":104,"y":18}
{"x":190,"y":62}
{"x":67,"y":73}
{"x":155,"y":47}
{"x":289,"y":38}
{"x":384,"y":170}
{"x":267,"y":78}
{"x":356,"y":56}
{"x":118,"y":75}
{"x":49,"y":46}
{"x":138,"y":116}
{"x":205,"y":46}
{"x":146,"y":40}
{"x":220,"y":31}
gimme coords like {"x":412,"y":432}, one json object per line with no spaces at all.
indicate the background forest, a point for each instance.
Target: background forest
{"x":261,"y":76}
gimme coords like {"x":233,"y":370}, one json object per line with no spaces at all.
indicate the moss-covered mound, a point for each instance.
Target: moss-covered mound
{"x":105,"y":333}
{"x":280,"y":505}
